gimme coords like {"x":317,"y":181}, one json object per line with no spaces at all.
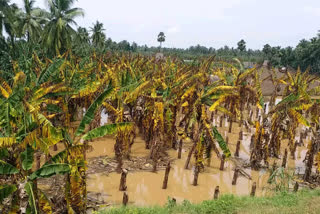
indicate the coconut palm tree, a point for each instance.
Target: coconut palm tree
{"x":241,"y":45}
{"x":81,"y":42}
{"x":4,"y":15}
{"x":161,"y":38}
{"x":58,"y":31}
{"x":98,"y":36}
{"x":7,"y":19}
{"x":82,"y":36}
{"x":30,"y":20}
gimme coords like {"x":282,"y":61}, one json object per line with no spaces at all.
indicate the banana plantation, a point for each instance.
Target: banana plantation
{"x":186,"y":130}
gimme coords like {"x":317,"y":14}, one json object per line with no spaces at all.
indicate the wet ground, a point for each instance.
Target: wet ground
{"x":145,"y":187}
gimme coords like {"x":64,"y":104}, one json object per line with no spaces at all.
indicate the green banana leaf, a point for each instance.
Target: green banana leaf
{"x":89,"y":115}
{"x":7,"y":169}
{"x":27,"y":158}
{"x":49,"y":170}
{"x":104,"y":130}
{"x":6,"y":190}
{"x":222,"y":144}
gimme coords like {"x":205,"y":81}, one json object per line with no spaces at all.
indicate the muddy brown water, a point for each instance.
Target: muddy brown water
{"x":145,"y":187}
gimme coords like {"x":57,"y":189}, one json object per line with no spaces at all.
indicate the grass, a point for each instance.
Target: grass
{"x":305,"y":201}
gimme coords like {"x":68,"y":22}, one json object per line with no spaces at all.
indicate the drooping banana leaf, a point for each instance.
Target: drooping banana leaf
{"x":246,"y":73}
{"x":58,"y":158}
{"x":6,"y":190}
{"x":301,"y":119}
{"x":4,"y":153}
{"x":50,"y":71}
{"x":7,"y":141}
{"x":289,"y":98}
{"x":137,"y":91}
{"x":274,"y":174}
{"x":66,"y":136}
{"x":27,"y":158}
{"x":32,"y":201}
{"x":221,"y":142}
{"x":7,"y":169}
{"x":104,"y":130}
{"x":44,"y":204}
{"x":217,"y":103}
{"x":53,"y":108}
{"x":260,"y":102}
{"x":89,"y":115}
{"x":49,"y":170}
{"x":222,"y":88}
{"x":240,"y":65}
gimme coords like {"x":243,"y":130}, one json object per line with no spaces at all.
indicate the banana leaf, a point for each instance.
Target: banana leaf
{"x":50,"y":71}
{"x":6,"y":190}
{"x":49,"y":170}
{"x":89,"y":115}
{"x":221,"y":142}
{"x":32,"y":208}
{"x":103,"y":130}
{"x":58,"y":158}
{"x":7,"y":169}
{"x":7,"y":141}
{"x":27,"y":158}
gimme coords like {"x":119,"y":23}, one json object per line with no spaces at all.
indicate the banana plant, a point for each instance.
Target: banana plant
{"x":26,"y":129}
{"x":296,"y":100}
{"x":76,"y":147}
{"x":22,"y":174}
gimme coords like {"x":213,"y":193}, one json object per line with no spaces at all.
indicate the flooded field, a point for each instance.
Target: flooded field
{"x":80,"y":132}
{"x":144,"y":186}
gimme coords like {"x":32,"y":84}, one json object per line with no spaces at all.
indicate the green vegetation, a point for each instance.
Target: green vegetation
{"x":50,"y":33}
{"x":305,"y":201}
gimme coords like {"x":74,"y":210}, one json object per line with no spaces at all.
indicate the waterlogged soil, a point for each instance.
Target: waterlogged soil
{"x":144,"y":187}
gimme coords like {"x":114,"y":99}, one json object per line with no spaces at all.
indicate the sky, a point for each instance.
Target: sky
{"x":212,"y":23}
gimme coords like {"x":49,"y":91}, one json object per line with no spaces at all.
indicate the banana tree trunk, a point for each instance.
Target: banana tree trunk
{"x":186,"y":166}
{"x":310,"y":155}
{"x":180,"y":149}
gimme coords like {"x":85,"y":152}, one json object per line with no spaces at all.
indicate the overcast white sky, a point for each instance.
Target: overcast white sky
{"x":213,"y":23}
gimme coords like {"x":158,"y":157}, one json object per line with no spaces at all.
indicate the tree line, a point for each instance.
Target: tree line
{"x":52,"y":32}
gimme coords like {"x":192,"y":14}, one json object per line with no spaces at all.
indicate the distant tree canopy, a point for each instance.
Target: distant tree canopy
{"x":242,"y":45}
{"x":51,"y":32}
{"x":161,"y":38}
